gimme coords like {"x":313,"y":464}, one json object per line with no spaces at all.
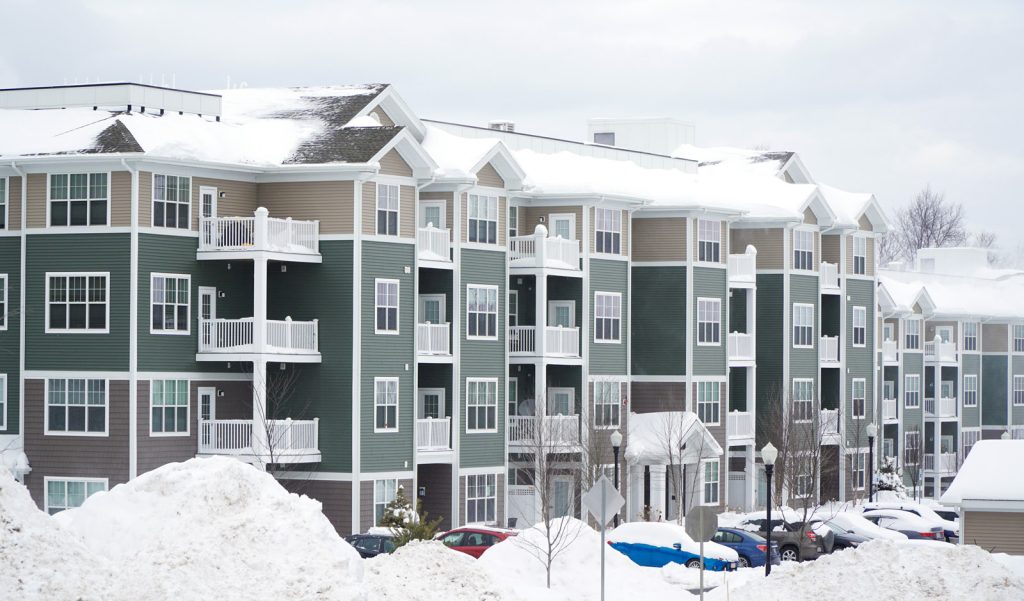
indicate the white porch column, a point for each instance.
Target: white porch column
{"x":658,"y":491}
{"x":259,"y":304}
{"x":259,"y":412}
{"x":541,"y":301}
{"x":635,"y":502}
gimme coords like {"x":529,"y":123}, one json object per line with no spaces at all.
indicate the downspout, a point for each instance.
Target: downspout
{"x":21,"y":319}
{"x":133,"y":329}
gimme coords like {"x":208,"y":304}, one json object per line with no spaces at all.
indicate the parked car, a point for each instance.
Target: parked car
{"x":947,"y":513}
{"x":843,"y":538}
{"x":371,"y":544}
{"x":656,"y":544}
{"x":474,"y":540}
{"x":950,"y":529}
{"x":797,"y":542}
{"x":908,"y":523}
{"x":751,"y":548}
{"x":855,"y":523}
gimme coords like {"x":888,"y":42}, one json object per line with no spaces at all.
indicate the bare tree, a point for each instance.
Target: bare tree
{"x":682,"y":478}
{"x":928,"y":222}
{"x":913,"y":459}
{"x":272,"y":415}
{"x":854,"y":441}
{"x":986,"y":239}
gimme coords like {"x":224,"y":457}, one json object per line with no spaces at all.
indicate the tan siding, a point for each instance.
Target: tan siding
{"x":36,"y":200}
{"x":816,"y":264}
{"x":994,"y":337}
{"x":529,"y":218}
{"x":830,"y":248}
{"x":240,"y":199}
{"x":488,"y":176}
{"x":14,"y":203}
{"x":723,"y":254}
{"x":369,"y":208}
{"x":120,"y":199}
{"x":145,"y":199}
{"x":330,"y":202}
{"x":865,"y":223}
{"x":502,"y":217}
{"x":809,"y":216}
{"x":626,"y":218}
{"x":768,"y":242}
{"x":997,"y":532}
{"x":929,"y":329}
{"x":407,"y":212}
{"x":849,"y":254}
{"x":465,"y":216}
{"x":869,"y":257}
{"x":382,"y":117}
{"x":895,"y":329}
{"x":662,"y":239}
{"x":392,"y":163}
{"x":870,"y":245}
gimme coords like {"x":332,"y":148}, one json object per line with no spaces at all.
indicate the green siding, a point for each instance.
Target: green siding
{"x":738,"y":389}
{"x":659,"y":321}
{"x":971,"y":416}
{"x":913,"y":363}
{"x":709,"y":282}
{"x":770,"y":350}
{"x":78,"y":253}
{"x":803,"y":362}
{"x":994,"y":390}
{"x":608,"y":276}
{"x":10,"y":339}
{"x":437,"y":375}
{"x":860,"y":360}
{"x":738,"y":310}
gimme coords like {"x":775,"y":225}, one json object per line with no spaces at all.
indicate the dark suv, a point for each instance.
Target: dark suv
{"x":797,"y":542}
{"x":371,"y":545}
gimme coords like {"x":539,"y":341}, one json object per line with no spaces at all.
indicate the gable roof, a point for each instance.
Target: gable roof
{"x":983,"y":475}
{"x":651,"y":436}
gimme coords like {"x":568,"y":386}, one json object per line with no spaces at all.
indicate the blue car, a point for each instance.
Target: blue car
{"x":750,"y":546}
{"x":655,"y":545}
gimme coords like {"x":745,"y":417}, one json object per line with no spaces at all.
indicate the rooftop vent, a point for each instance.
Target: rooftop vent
{"x":501,"y":125}
{"x":118,"y":96}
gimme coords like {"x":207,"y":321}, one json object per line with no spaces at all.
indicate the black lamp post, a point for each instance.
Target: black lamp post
{"x":871,"y":431}
{"x":768,"y":454}
{"x":616,"y":443}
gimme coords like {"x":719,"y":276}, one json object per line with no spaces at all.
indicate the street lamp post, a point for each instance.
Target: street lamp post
{"x":768,"y":454}
{"x":871,"y":430}
{"x":616,"y":443}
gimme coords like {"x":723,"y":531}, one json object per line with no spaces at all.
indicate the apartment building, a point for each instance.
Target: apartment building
{"x":320,"y":282}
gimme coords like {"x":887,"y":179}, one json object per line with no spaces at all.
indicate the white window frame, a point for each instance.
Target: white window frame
{"x":1018,"y":338}
{"x":709,"y":241}
{"x":66,"y":275}
{"x":482,"y":495}
{"x":803,"y":387}
{"x":709,"y":407}
{"x":177,"y":202}
{"x":915,"y":325}
{"x":907,"y":436}
{"x":862,"y":398}
{"x":706,"y":482}
{"x":860,"y":470}
{"x":50,"y":200}
{"x":908,"y":390}
{"x":888,"y":332}
{"x":497,"y":311}
{"x":607,"y":404}
{"x":860,"y":251}
{"x":384,"y":211}
{"x":800,"y":308}
{"x":474,"y":201}
{"x":970,"y":395}
{"x":513,"y":221}
{"x":383,"y":399}
{"x":968,"y":438}
{"x":889,"y":390}
{"x":175,"y":407}
{"x":477,"y":405}
{"x":860,"y":326}
{"x":377,"y":306}
{"x":800,"y":252}
{"x":608,"y":229}
{"x":513,"y":308}
{"x":709,"y":314}
{"x":4,"y":286}
{"x":3,"y":401}
{"x":85,"y":379}
{"x":382,"y":496}
{"x":47,"y":480}
{"x":971,"y":339}
{"x":607,"y":315}
{"x":553,"y":220}
{"x":1018,"y":391}
{"x":163,"y":303}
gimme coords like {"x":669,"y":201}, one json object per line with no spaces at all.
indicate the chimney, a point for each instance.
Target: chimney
{"x":501,"y":125}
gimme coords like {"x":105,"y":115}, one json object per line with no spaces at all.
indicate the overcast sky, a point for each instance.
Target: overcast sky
{"x":876,"y":96}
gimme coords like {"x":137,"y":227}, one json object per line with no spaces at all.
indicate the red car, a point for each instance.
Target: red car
{"x":474,"y":540}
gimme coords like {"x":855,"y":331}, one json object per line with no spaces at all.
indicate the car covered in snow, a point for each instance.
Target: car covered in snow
{"x":797,"y":541}
{"x":950,"y":529}
{"x":842,"y":538}
{"x":855,"y":523}
{"x":908,"y":523}
{"x":474,"y":540}
{"x":657,"y":544}
{"x":372,"y":544}
{"x":751,"y":548}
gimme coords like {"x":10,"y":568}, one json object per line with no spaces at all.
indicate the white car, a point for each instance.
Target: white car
{"x":670,"y":537}
{"x":908,"y":523}
{"x":857,"y":524}
{"x":951,"y":530}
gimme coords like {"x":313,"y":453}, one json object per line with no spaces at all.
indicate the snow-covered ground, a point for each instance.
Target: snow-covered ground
{"x":219,"y":529}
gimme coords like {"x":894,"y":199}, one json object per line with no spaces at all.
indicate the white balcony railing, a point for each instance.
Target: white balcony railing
{"x":743,"y":268}
{"x":829,"y":349}
{"x":433,"y":339}
{"x":741,"y":346}
{"x":522,"y":340}
{"x":433,"y":434}
{"x":937,"y":350}
{"x":434,"y":244}
{"x":889,"y":351}
{"x":557,"y":430}
{"x":285,"y":439}
{"x":829,"y":421}
{"x":564,"y":342}
{"x":1017,"y":432}
{"x":947,"y":407}
{"x":540,"y":250}
{"x":889,"y":408}
{"x":943,"y":462}
{"x":287,"y":336}
{"x":829,"y":276}
{"x":740,"y":424}
{"x":259,"y":232}
{"x":236,"y":336}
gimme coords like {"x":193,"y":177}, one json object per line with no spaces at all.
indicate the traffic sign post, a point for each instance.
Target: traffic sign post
{"x":701,"y":525}
{"x":603,"y":502}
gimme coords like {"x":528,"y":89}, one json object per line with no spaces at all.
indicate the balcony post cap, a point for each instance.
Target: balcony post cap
{"x":540,"y":230}
{"x":751,"y":250}
{"x":262,"y":211}
{"x":288,"y":318}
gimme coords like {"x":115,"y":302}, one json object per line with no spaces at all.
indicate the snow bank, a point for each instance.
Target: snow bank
{"x":884,"y":569}
{"x":428,"y":571}
{"x":220,"y":529}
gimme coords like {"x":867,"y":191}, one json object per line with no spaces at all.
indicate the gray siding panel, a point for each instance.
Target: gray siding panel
{"x":860,"y":360}
{"x":803,"y":362}
{"x":10,"y":338}
{"x":971,"y":416}
{"x":994,"y":390}
{"x":710,"y":283}
{"x":770,"y":349}
{"x":659,"y":321}
{"x":608,"y":276}
{"x":335,"y":498}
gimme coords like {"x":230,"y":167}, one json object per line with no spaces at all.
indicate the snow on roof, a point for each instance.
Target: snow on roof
{"x":768,"y":162}
{"x":848,"y":206}
{"x":993,"y":297}
{"x":983,"y":475}
{"x":456,"y":156}
{"x":654,"y":438}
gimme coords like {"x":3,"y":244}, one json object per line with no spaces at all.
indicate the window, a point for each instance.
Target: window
{"x":971,"y":336}
{"x":78,"y":199}
{"x":708,"y":403}
{"x":513,"y":308}
{"x":76,"y":406}
{"x":709,"y":321}
{"x":913,"y":336}
{"x":970,"y":437}
{"x":970,"y":391}
{"x":711,"y":483}
{"x":384,"y":492}
{"x":889,"y":390}
{"x":803,"y":325}
{"x":481,"y":498}
{"x":1018,"y":390}
{"x":912,"y":391}
{"x":607,"y":317}
{"x":608,"y":231}
{"x":709,"y":240}
{"x":605,"y":138}
{"x":860,"y":471}
{"x":481,"y":312}
{"x":607,"y":404}
{"x":912,"y":447}
{"x":803,"y":249}
{"x":3,"y":301}
{"x":481,"y":405}
{"x":858,"y":388}
{"x":1018,"y":338}
{"x":171,"y":299}
{"x":860,"y":255}
{"x":888,"y":447}
{"x":483,"y":219}
{"x":3,"y":401}
{"x":385,"y":404}
{"x":387,"y":209}
{"x":66,"y":494}
{"x":804,"y":485}
{"x":172,"y":201}
{"x":169,"y":407}
{"x":513,"y":222}
{"x":386,"y":306}
{"x":803,"y":399}
{"x":859,"y":326}
{"x":76,"y":302}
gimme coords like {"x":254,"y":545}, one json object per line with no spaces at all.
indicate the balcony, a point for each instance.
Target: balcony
{"x":434,"y":434}
{"x":937,"y":351}
{"x":1017,"y":432}
{"x":239,"y":237}
{"x":558,"y":341}
{"x":890,"y":352}
{"x":944,"y":463}
{"x":433,"y":339}
{"x":889,"y":407}
{"x":739,"y":424}
{"x":743,"y":269}
{"x":287,"y":440}
{"x":540,"y":251}
{"x":829,"y":349}
{"x":829,"y":423}
{"x":558,"y":431}
{"x":945,"y":407}
{"x":434,"y":244}
{"x":741,"y":347}
{"x":829,"y":278}
{"x":235,"y":336}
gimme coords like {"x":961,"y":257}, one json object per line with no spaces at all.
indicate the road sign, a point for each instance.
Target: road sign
{"x":701,"y":523}
{"x":603,"y":501}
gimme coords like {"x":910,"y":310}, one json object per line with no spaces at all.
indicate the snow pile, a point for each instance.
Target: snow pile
{"x":516,"y":564}
{"x":883,"y":569}
{"x":217,"y":528}
{"x":428,"y":570}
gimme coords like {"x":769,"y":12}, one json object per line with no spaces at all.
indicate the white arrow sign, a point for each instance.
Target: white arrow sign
{"x":603,"y":501}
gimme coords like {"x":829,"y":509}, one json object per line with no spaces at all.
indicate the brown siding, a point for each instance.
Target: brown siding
{"x":145,"y":199}
{"x":392,"y":163}
{"x":335,"y":499}
{"x":865,"y":223}
{"x":407,"y":212}
{"x":437,"y":480}
{"x":997,"y":532}
{"x":120,"y":199}
{"x":36,"y":200}
{"x":650,"y":397}
{"x":382,"y":117}
{"x":14,"y":203}
{"x":240,"y":199}
{"x":75,"y":456}
{"x":366,"y":501}
{"x":488,"y":176}
{"x":330,"y":202}
{"x":994,"y":337}
{"x":769,"y":243}
{"x":830,"y":250}
{"x":659,"y":239}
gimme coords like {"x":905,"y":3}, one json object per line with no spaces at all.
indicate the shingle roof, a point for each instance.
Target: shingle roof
{"x":344,"y":145}
{"x":116,"y":138}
